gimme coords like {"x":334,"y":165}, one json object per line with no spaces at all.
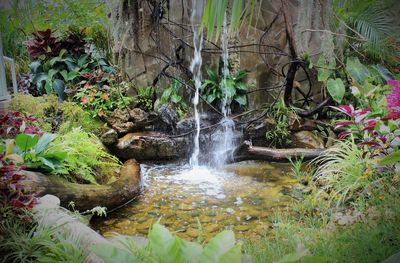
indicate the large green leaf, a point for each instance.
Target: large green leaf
{"x":26,"y":141}
{"x":59,"y":87}
{"x":218,"y":247}
{"x":325,"y":69}
{"x":241,"y":99}
{"x":336,"y":89}
{"x":357,"y":70}
{"x":111,"y":254}
{"x":35,"y":67}
{"x":44,"y":141}
{"x":159,"y":240}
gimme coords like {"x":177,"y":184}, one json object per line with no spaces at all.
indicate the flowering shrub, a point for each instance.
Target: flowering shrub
{"x":100,"y":99}
{"x":378,"y":128}
{"x":13,"y":123}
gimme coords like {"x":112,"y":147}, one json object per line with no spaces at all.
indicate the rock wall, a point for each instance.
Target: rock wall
{"x":150,"y":36}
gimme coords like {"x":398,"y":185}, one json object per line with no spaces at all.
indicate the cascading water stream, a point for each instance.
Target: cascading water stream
{"x":224,"y":147}
{"x":195,"y":67}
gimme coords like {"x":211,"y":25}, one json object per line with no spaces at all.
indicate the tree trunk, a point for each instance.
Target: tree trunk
{"x":87,"y":196}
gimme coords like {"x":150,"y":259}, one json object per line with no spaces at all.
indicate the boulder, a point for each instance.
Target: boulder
{"x":110,"y":137}
{"x":256,"y":131}
{"x":307,"y":139}
{"x":168,"y":118}
{"x":130,"y":120}
{"x":150,"y":146}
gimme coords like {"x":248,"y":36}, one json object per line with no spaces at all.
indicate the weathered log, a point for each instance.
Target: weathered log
{"x":87,"y":196}
{"x":249,"y":152}
{"x":49,"y":214}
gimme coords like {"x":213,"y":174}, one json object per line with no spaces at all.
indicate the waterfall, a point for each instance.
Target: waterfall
{"x":195,"y":67}
{"x":225,"y":138}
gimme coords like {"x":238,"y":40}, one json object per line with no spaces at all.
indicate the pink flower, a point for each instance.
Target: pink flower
{"x":87,"y":86}
{"x":393,"y":100}
{"x":84,"y":100}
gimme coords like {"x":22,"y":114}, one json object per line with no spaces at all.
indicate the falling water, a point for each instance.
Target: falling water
{"x":195,"y":67}
{"x":224,"y":146}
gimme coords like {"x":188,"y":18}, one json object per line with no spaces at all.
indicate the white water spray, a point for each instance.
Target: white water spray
{"x":223,"y":149}
{"x":195,"y":67}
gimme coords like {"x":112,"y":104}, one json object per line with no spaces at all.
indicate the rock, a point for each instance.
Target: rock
{"x":256,"y":131}
{"x":124,"y":121}
{"x":150,"y":146}
{"x":168,"y":118}
{"x":211,"y":228}
{"x":110,"y":137}
{"x":307,"y":139}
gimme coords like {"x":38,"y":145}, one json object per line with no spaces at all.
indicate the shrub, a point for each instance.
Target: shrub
{"x":86,"y":160}
{"x":53,"y":116}
{"x":345,"y":171}
{"x":280,"y":135}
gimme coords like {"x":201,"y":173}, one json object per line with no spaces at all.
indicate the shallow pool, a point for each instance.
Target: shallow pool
{"x":198,"y":203}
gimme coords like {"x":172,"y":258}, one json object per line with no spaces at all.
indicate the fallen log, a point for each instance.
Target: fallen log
{"x":249,"y":152}
{"x":87,"y":196}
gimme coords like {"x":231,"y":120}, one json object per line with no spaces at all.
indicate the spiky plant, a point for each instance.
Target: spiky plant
{"x":344,"y":171}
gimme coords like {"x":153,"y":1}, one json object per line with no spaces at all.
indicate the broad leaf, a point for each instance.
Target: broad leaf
{"x":111,"y":254}
{"x":44,"y":141}
{"x":357,"y":70}
{"x":160,"y":239}
{"x":26,"y":141}
{"x":35,"y":67}
{"x":218,"y":246}
{"x":59,"y":87}
{"x":336,"y":89}
{"x":241,"y":99}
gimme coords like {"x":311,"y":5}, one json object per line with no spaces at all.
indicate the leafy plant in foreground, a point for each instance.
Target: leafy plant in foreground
{"x":280,"y":135}
{"x":162,"y":246}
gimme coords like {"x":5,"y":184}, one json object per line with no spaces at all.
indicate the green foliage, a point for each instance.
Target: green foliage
{"x":21,"y":241}
{"x":345,"y":171}
{"x":162,"y":246}
{"x":100,"y":100}
{"x":16,"y":25}
{"x":297,"y":168}
{"x":214,"y":12}
{"x":235,"y":87}
{"x":34,"y":151}
{"x":145,"y":97}
{"x":280,"y":135}
{"x":172,"y":95}
{"x":371,"y":26}
{"x":86,"y":160}
{"x":336,"y":89}
{"x":54,"y":116}
{"x":54,"y":73}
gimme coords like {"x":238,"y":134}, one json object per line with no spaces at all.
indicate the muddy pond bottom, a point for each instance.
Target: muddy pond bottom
{"x":200,"y":202}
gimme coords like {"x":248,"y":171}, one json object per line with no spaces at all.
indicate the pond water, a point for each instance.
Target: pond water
{"x":198,"y":203}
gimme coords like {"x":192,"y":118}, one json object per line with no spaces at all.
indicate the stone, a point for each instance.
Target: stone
{"x":110,"y":137}
{"x":211,"y":228}
{"x":307,"y":139}
{"x":149,"y":146}
{"x":124,"y":121}
{"x":168,"y":118}
{"x":256,"y":131}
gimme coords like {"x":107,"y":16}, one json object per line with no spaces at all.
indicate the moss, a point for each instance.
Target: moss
{"x":54,"y":116}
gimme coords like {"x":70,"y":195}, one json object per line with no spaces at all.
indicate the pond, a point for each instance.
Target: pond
{"x":198,"y":203}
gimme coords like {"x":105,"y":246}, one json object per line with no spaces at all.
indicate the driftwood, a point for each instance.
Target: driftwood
{"x":87,"y":196}
{"x":49,"y":214}
{"x":249,"y":152}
